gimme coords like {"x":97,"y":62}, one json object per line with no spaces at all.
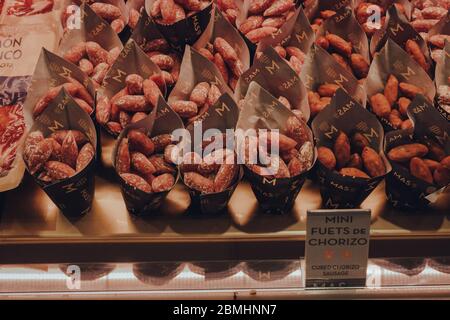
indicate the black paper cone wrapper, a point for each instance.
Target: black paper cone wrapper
{"x":345,"y":25}
{"x":396,"y":189}
{"x":242,"y":9}
{"x":195,"y":68}
{"x":251,"y":47}
{"x":266,"y":271}
{"x":93,"y":28}
{"x":313,"y":8}
{"x":2,"y":203}
{"x":186,"y":31}
{"x":442,"y":111}
{"x":398,"y":29}
{"x":132,"y":60}
{"x":146,"y":31}
{"x":52,"y":70}
{"x":221,"y":27}
{"x":125,"y":34}
{"x":312,"y":174}
{"x":275,"y":196}
{"x":404,"y":190}
{"x":296,"y":32}
{"x":222,"y":115}
{"x":73,"y":196}
{"x":320,"y":67}
{"x":385,"y":5}
{"x":275,"y":75}
{"x":212,"y":203}
{"x":339,"y":192}
{"x":393,"y":60}
{"x":442,"y":27}
{"x":345,"y":114}
{"x":271,"y":40}
{"x":141,"y":203}
{"x":98,"y":131}
{"x":162,"y":120}
{"x":157,"y":273}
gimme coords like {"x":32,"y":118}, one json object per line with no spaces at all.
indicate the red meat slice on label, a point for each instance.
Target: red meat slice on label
{"x":30,"y":7}
{"x":12,"y":127}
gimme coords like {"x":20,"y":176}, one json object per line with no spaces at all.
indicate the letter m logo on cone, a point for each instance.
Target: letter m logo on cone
{"x":273,"y":67}
{"x":222,"y":109}
{"x":56,"y":126}
{"x":409,"y":72}
{"x":330,"y":133}
{"x":342,"y":79}
{"x":395,"y":29}
{"x":329,"y":204}
{"x":301,"y":36}
{"x":70,"y":188}
{"x":372,"y":134}
{"x":269,"y":181}
{"x":119,"y":75}
{"x":66,"y":72}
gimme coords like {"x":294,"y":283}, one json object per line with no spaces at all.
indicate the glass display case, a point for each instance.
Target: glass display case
{"x":177,"y":251}
{"x":239,"y":254}
{"x":271,"y":279}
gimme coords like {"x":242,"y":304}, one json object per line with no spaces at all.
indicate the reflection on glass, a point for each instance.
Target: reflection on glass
{"x":407,"y":266}
{"x":157,"y":273}
{"x":440,"y":264}
{"x":270,"y":270}
{"x":88,"y":272}
{"x":216,"y":269}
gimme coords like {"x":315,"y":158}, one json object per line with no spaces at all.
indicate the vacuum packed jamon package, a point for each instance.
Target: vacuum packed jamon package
{"x":20,"y":46}
{"x":30,"y":11}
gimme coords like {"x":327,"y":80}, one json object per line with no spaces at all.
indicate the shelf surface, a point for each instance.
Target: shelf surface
{"x":30,"y":216}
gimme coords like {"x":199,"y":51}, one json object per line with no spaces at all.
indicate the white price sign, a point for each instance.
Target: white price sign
{"x":337,"y":248}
